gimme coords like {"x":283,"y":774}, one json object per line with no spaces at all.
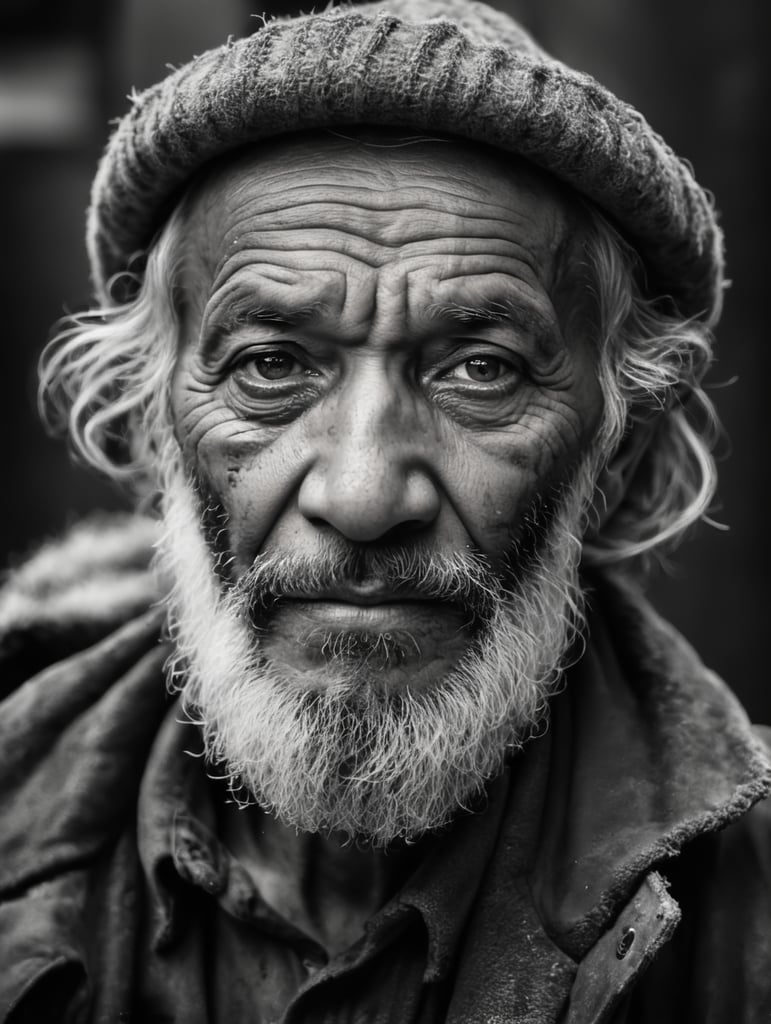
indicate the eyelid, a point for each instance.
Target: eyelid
{"x":300,"y":369}
{"x":477,"y":348}
{"x":259,"y":350}
{"x":217,"y":340}
{"x":508,"y":370}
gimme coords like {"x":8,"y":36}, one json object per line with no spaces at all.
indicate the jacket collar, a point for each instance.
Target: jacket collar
{"x":649,"y":750}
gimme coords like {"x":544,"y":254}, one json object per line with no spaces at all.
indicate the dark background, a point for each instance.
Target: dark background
{"x":697,"y":69}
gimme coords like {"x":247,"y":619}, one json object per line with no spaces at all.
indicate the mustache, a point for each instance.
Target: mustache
{"x":463,"y":579}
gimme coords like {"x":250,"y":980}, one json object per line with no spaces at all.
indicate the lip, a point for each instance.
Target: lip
{"x":362,"y":594}
{"x":394,"y":614}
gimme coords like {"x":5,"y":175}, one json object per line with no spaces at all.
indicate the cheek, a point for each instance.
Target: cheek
{"x":250,"y":470}
{"x":491,"y":486}
{"x":254,"y":477}
{"x":500,"y":481}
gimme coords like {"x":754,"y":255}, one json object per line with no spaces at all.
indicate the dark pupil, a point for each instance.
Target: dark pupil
{"x":483,"y":369}
{"x":274,"y":367}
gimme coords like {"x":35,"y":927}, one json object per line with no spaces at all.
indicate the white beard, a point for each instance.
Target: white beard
{"x":345,"y":755}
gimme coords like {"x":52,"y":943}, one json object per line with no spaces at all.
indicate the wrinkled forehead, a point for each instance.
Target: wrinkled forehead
{"x":375,"y":195}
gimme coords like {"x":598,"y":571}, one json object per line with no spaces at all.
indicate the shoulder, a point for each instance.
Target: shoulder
{"x":81,"y":695}
{"x":73,"y":591}
{"x":742,"y":861}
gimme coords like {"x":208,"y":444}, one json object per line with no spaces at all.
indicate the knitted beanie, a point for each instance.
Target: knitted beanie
{"x":443,"y":66}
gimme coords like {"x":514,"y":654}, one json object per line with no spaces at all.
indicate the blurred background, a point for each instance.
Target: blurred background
{"x":697,"y":69}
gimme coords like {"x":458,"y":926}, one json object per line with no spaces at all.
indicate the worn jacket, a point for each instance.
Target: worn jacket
{"x":620,"y":869}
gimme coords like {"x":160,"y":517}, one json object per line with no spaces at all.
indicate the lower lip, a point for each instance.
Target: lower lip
{"x":410,"y":616}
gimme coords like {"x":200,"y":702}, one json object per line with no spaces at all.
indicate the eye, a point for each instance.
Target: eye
{"x":273,"y":384}
{"x":482,"y":369}
{"x":272,"y":366}
{"x":262,"y":371}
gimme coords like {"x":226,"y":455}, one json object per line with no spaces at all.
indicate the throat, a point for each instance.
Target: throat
{"x":325,"y":886}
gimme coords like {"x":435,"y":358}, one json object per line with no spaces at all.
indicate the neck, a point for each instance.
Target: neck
{"x":326,"y":885}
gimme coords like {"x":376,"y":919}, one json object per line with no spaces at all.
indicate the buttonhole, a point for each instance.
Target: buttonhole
{"x":625,"y":943}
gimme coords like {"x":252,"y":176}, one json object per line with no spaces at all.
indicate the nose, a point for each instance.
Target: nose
{"x":372,"y":475}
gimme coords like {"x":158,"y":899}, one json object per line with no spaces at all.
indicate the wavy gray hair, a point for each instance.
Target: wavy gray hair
{"x":104,"y":380}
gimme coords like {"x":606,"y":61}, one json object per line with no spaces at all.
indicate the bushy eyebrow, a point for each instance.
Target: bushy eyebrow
{"x":242,"y":315}
{"x":522,"y":317}
{"x":247,"y":316}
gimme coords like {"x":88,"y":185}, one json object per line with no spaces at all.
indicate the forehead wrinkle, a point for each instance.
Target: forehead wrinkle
{"x":273,"y":286}
{"x":431,"y":198}
{"x":250,"y":297}
{"x":360,"y":251}
{"x":386,"y":171}
{"x":455,"y":170}
{"x":253,"y":218}
{"x":374,"y":244}
{"x":526,"y":219}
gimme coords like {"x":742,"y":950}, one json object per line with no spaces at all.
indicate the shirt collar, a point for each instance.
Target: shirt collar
{"x":175,"y":820}
{"x":178,"y":844}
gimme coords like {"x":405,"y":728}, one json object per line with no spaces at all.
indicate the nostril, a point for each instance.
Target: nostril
{"x":319,"y":522}
{"x":394,"y":536}
{"x":403,"y":531}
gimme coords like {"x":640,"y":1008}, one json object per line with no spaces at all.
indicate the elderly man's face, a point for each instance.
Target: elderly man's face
{"x":375,"y":358}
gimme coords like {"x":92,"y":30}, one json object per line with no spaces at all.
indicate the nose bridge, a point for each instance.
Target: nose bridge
{"x":373,"y":470}
{"x":375,"y":418}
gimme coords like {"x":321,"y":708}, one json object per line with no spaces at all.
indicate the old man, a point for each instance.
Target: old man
{"x":399,"y":336}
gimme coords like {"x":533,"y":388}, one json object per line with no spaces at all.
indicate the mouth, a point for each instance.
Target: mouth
{"x":366,"y":592}
{"x":367,"y":606}
{"x":407,"y":639}
{"x":389,"y":615}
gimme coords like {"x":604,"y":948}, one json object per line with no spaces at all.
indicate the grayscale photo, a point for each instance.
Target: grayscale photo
{"x":384,"y":591}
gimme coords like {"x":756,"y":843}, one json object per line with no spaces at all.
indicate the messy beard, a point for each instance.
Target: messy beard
{"x":345,"y":753}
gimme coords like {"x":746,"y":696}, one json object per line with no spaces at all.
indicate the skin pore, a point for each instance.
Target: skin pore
{"x":374,"y":355}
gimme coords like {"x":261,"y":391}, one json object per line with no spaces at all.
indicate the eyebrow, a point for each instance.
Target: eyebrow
{"x":525,"y":318}
{"x":241,"y":315}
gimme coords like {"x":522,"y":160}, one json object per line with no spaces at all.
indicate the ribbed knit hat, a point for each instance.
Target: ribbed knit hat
{"x":444,"y":66}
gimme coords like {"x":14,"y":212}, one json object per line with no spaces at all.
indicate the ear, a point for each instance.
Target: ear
{"x":614,"y":480}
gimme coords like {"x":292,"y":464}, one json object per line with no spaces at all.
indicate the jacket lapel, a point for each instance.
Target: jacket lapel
{"x":616,"y":961}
